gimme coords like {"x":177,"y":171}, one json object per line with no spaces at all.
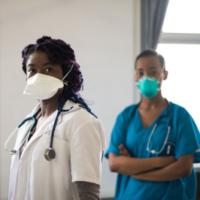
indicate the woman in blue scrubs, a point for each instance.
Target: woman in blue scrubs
{"x":153,"y":143}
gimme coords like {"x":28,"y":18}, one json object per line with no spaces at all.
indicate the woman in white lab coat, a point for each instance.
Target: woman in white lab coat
{"x":66,"y":166}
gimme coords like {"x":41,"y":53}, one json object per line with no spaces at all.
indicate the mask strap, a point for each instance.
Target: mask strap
{"x":159,"y":89}
{"x":67,"y":74}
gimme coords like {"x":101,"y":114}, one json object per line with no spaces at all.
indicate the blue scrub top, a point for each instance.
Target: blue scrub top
{"x":184,"y":139}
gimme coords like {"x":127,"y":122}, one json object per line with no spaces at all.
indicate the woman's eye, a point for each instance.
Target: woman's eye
{"x":153,"y":73}
{"x":49,"y":69}
{"x":140,"y":73}
{"x":31,"y":70}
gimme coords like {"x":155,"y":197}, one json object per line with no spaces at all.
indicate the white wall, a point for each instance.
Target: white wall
{"x":102,"y":35}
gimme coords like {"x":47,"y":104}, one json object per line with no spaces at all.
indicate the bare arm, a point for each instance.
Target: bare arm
{"x":129,"y":166}
{"x":178,"y":169}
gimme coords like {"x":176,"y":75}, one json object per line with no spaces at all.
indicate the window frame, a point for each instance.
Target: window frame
{"x":181,"y":38}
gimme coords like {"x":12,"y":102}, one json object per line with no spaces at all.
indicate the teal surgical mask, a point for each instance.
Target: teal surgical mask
{"x":148,"y":86}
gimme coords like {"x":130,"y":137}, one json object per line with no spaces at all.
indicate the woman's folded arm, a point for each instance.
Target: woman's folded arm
{"x":182,"y":167}
{"x":131,"y":166}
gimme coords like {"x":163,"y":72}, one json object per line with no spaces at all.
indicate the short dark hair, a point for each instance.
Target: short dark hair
{"x":151,"y":52}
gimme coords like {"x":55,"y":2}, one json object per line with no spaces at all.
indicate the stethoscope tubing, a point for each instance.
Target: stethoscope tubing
{"x":13,"y":151}
{"x":49,"y":153}
{"x":60,"y":109}
{"x":153,"y":130}
{"x":165,"y":142}
{"x":33,"y":118}
{"x":10,"y":136}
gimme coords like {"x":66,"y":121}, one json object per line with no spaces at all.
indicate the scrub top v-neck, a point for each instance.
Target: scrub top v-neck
{"x":153,"y":123}
{"x":183,"y":139}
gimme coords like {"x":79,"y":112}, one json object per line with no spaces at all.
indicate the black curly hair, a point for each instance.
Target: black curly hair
{"x":60,"y":53}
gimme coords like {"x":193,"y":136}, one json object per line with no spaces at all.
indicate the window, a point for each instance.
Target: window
{"x":182,"y":17}
{"x":180,"y":46}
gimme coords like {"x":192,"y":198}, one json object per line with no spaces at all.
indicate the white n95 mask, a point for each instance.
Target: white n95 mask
{"x":42,"y":86}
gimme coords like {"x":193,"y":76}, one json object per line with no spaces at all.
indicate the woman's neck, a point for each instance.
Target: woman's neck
{"x":152,"y":103}
{"x":49,"y":106}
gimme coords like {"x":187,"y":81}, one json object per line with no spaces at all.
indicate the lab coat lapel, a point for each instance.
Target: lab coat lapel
{"x":22,"y":133}
{"x":68,"y":107}
{"x":23,"y":130}
{"x":45,"y":127}
{"x":48,"y":124}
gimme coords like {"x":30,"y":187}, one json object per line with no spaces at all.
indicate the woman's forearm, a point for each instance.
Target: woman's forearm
{"x":88,"y":191}
{"x":129,"y":166}
{"x":179,"y":169}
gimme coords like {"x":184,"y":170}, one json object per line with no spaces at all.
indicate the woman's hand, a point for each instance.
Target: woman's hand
{"x":128,"y":165}
{"x":123,"y":151}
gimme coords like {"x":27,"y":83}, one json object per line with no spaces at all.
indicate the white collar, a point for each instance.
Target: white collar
{"x":69,"y":105}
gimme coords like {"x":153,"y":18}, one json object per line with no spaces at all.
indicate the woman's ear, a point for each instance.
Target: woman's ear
{"x":165,"y":75}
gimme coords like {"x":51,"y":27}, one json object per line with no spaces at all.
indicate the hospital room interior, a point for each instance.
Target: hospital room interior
{"x":106,"y":36}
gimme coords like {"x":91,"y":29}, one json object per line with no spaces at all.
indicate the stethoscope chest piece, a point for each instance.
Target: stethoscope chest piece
{"x":49,"y":154}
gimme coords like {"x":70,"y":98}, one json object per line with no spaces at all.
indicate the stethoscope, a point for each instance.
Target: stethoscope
{"x":49,"y":153}
{"x":153,"y":151}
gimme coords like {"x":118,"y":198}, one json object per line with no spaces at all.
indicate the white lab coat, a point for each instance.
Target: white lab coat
{"x":78,"y":143}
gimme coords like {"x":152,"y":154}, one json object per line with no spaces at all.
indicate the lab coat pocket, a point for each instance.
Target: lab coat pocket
{"x":59,"y":145}
{"x":58,"y":134}
{"x":56,"y":139}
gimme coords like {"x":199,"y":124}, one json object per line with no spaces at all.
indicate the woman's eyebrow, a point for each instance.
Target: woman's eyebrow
{"x":152,"y":68}
{"x":139,"y":69}
{"x":48,"y":63}
{"x":30,"y":65}
{"x":33,"y":65}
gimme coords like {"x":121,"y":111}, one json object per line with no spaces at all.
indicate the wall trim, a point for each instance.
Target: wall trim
{"x":136,"y":42}
{"x":107,"y":194}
